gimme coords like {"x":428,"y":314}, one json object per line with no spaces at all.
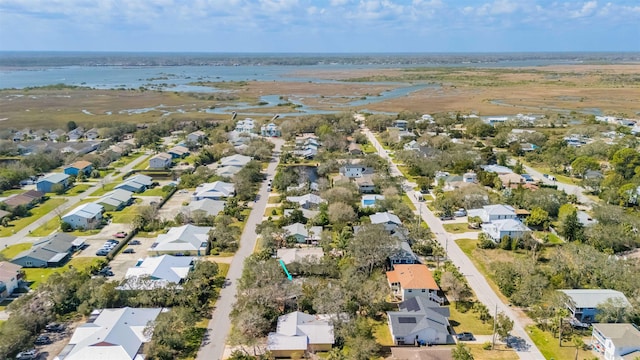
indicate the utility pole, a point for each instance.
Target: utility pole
{"x":495,"y":323}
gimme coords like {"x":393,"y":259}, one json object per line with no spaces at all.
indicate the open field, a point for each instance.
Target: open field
{"x":551,"y":349}
{"x":36,"y":213}
{"x":38,"y":275}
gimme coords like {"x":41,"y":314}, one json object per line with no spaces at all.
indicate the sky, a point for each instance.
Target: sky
{"x":320,"y":26}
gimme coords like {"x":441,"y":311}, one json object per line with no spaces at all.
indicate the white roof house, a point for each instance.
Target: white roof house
{"x":235,"y":160}
{"x":215,"y":190}
{"x":227,"y":171}
{"x":184,"y":239}
{"x":298,"y":331}
{"x":385,"y":218}
{"x":307,"y":200}
{"x":245,"y":126}
{"x":136,"y":183}
{"x":490,"y":213}
{"x":85,"y":216}
{"x":592,"y":298}
{"x":208,"y":207}
{"x":290,"y":255}
{"x":512,"y":228}
{"x":157,"y":272}
{"x":116,"y":334}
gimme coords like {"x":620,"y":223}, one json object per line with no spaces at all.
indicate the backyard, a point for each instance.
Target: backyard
{"x":38,"y":275}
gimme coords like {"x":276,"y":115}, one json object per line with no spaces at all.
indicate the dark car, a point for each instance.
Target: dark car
{"x":465,"y":336}
{"x":42,"y":340}
{"x":134,"y":242}
{"x":128,"y":251}
{"x":113,"y":241}
{"x":28,"y":355}
{"x":54,"y":327}
{"x":102,"y":252}
{"x":443,"y":218}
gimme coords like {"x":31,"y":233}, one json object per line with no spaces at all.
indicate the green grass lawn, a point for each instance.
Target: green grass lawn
{"x":11,"y":251}
{"x":481,"y":259}
{"x":382,"y":333}
{"x":156,"y":191}
{"x":126,"y":159}
{"x":273,"y":200}
{"x":468,"y":321}
{"x":38,"y":275}
{"x":458,"y":228}
{"x":105,"y":189}
{"x":143,"y":165}
{"x":550,"y":347}
{"x":47,"y":228}
{"x":406,"y":200}
{"x":368,"y":149}
{"x":125,"y":215}
{"x":501,"y":352}
{"x":553,"y":238}
{"x":78,"y":189}
{"x":85,"y":232}
{"x":7,"y":193}
{"x":36,"y":213}
{"x":561,"y":178}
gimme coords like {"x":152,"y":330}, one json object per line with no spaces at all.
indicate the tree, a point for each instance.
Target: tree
{"x":625,"y":161}
{"x":456,"y":287}
{"x":371,"y":247}
{"x":578,"y":343}
{"x":582,"y":164}
{"x":571,"y":228}
{"x":613,"y":311}
{"x":504,"y":325}
{"x":58,"y":189}
{"x":341,"y":213}
{"x":71,"y":125}
{"x":461,"y":352}
{"x":538,"y":218}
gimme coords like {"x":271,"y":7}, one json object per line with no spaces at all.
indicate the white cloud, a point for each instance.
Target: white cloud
{"x":587,"y":9}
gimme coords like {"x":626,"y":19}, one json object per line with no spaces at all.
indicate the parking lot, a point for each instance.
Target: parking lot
{"x":122,"y":262}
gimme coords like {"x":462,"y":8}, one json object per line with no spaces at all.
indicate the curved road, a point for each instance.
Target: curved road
{"x":219,"y":326}
{"x":568,"y":188}
{"x":477,"y":282}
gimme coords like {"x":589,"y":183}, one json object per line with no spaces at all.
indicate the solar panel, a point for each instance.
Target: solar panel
{"x":407,"y":320}
{"x":411,"y":305}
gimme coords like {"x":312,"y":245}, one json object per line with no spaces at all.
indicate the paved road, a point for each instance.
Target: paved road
{"x":220,"y":324}
{"x":478,"y":283}
{"x":568,"y":188}
{"x":21,"y":236}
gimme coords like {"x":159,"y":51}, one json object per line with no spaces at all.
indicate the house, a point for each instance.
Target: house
{"x":157,"y":272}
{"x":498,"y":169}
{"x":365,"y":184}
{"x":4,"y":213}
{"x":302,"y":234}
{"x":80,"y":148}
{"x":245,"y":126}
{"x":411,"y":280}
{"x":91,"y":134}
{"x":216,"y":190}
{"x":389,"y":220}
{"x":270,"y":130}
{"x":187,"y":240}
{"x":85,"y":216}
{"x":510,"y":179}
{"x":403,"y":254}
{"x":204,"y":207}
{"x":470,"y":177}
{"x":355,"y":170}
{"x":136,"y":184}
{"x":178,"y":152}
{"x":10,"y":276}
{"x":370,"y":200}
{"x":47,"y":183}
{"x":227,"y":171}
{"x":160,"y":161}
{"x":116,"y":200}
{"x":411,"y":146}
{"x":196,"y":137}
{"x":291,"y":255}
{"x":528,"y":147}
{"x":498,"y":229}
{"x":490,"y":213}
{"x":236,"y":160}
{"x":355,"y":149}
{"x":56,"y":134}
{"x":75,"y":134}
{"x":401,"y":124}
{"x":420,"y":321}
{"x":81,"y":166}
{"x":583,"y":303}
{"x":298,"y":333}
{"x":114,"y":334}
{"x":52,"y":251}
{"x":27,"y":199}
{"x":616,"y":341}
{"x":307,"y":201}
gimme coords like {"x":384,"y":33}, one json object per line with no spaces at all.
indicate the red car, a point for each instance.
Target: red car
{"x":120,"y":235}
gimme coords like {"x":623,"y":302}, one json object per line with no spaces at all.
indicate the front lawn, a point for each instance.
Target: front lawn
{"x":406,"y":200}
{"x":501,"y":352}
{"x":47,"y":228}
{"x":551,"y":237}
{"x":104,"y":189}
{"x":458,"y":228}
{"x":143,"y":165}
{"x":156,"y":191}
{"x":36,"y":213}
{"x":78,"y":189}
{"x":125,"y":215}
{"x":468,"y":321}
{"x":38,"y":275}
{"x":13,"y":250}
{"x":551,"y":349}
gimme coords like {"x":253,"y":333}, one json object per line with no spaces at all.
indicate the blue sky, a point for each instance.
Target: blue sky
{"x":320,"y":25}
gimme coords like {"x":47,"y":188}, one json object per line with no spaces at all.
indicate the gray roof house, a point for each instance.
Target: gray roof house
{"x":187,"y":240}
{"x":137,"y":183}
{"x":583,"y":303}
{"x":490,"y":213}
{"x":389,"y":220}
{"x":157,"y":272}
{"x":616,"y":341}
{"x":403,"y":254}
{"x":114,"y":334}
{"x":309,"y":254}
{"x":298,"y":333}
{"x":301,"y":234}
{"x":206,"y":207}
{"x":307,"y":201}
{"x":116,"y":199}
{"x":512,"y":228}
{"x":420,"y":321}
{"x":85,"y":216}
{"x":216,"y":190}
{"x":53,"y":251}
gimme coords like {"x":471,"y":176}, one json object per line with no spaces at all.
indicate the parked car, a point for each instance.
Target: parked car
{"x":102,"y":252}
{"x":42,"y":340}
{"x":128,"y":251}
{"x":113,"y":241}
{"x":120,"y":235}
{"x":28,"y":355}
{"x":465,"y":336}
{"x":443,"y":218}
{"x":134,"y":242}
{"x":54,"y":327}
{"x":460,"y":213}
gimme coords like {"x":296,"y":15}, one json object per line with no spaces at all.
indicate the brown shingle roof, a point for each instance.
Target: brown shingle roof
{"x":81,"y":164}
{"x":18,"y":200}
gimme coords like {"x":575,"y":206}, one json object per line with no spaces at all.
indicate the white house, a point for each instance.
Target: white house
{"x":616,"y":341}
{"x":307,"y":201}
{"x":206,"y":207}
{"x":187,"y":240}
{"x":298,"y":333}
{"x":216,"y":190}
{"x":245,"y":126}
{"x":411,"y":280}
{"x":270,"y":129}
{"x":157,"y":272}
{"x":85,"y":216}
{"x":389,"y":220}
{"x":512,"y":228}
{"x":470,"y":177}
{"x":355,"y":170}
{"x":490,"y":213}
{"x":9,"y":278}
{"x":235,"y":160}
{"x":196,"y":137}
{"x":420,"y":321}
{"x":310,"y":254}
{"x":115,"y":334}
{"x":160,"y":161}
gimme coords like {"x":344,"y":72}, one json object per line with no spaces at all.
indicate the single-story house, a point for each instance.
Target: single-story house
{"x":411,"y":280}
{"x":401,"y":124}
{"x":583,"y":303}
{"x":85,"y":216}
{"x":365,"y":184}
{"x":56,"y":134}
{"x":157,"y":272}
{"x":298,"y":333}
{"x":512,"y":228}
{"x":196,"y":137}
{"x":498,"y":169}
{"x":47,"y":183}
{"x":205,"y":207}
{"x":160,"y":161}
{"x":355,"y":170}
{"x":307,"y":201}
{"x":216,"y":190}
{"x":178,"y":152}
{"x":616,"y":341}
{"x":136,"y":184}
{"x":291,"y":255}
{"x":114,"y":334}
{"x":80,"y":148}
{"x":370,"y":200}
{"x":227,"y":171}
{"x":10,"y":276}
{"x":116,"y":200}
{"x":187,"y":240}
{"x":4,"y":213}
{"x":92,"y":134}
{"x":75,"y":134}
{"x":490,"y":213}
{"x":420,"y":321}
{"x":403,"y":255}
{"x":29,"y":199}
{"x":302,"y":235}
{"x":389,"y":220}
{"x":81,"y":166}
{"x":510,"y":179}
{"x":355,"y":149}
{"x":52,"y":251}
{"x":235,"y":160}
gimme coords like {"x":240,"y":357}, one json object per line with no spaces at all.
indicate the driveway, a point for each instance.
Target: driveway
{"x":476,"y":280}
{"x":213,"y":346}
